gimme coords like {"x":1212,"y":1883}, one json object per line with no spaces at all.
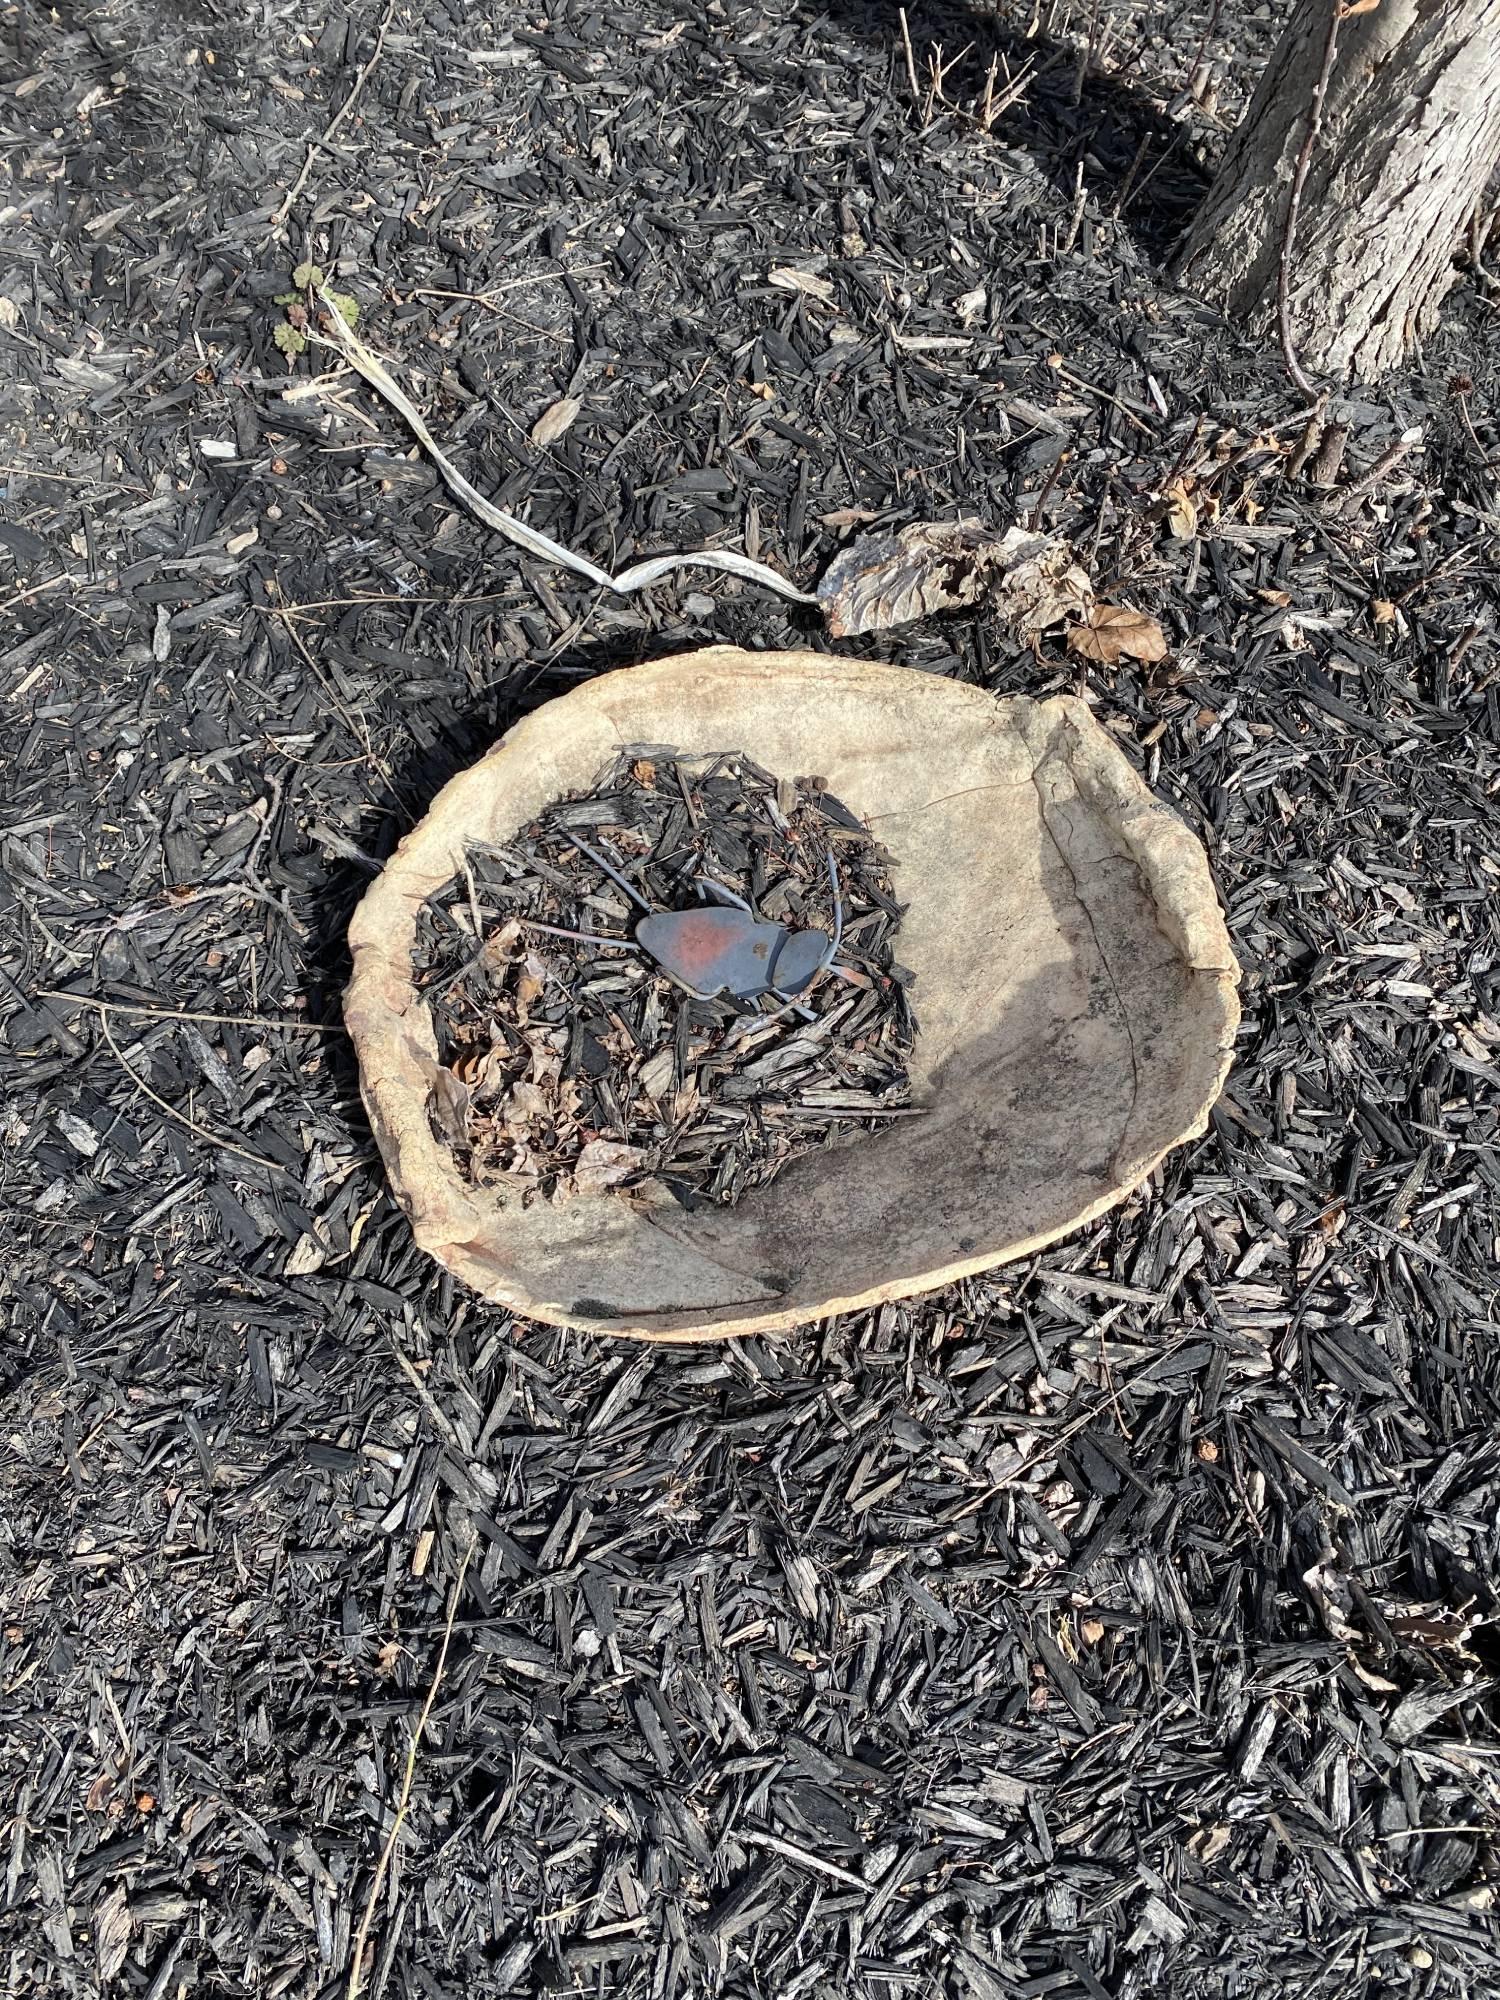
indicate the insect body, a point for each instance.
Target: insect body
{"x":724,"y":947}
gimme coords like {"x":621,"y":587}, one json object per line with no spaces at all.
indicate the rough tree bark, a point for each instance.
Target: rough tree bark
{"x":1410,"y":136}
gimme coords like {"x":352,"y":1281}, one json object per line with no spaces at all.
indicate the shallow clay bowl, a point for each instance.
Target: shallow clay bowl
{"x":1074,"y":990}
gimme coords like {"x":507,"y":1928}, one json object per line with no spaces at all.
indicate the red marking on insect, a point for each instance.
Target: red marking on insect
{"x":711,"y":949}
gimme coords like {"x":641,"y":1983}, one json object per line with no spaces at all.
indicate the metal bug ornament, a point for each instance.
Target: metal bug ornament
{"x":722,"y":946}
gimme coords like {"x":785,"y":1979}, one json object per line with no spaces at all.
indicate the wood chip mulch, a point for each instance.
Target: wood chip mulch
{"x":1122,"y":1624}
{"x":572,"y":1066}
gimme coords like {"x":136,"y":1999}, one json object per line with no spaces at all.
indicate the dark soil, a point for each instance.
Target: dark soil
{"x":1123,"y":1624}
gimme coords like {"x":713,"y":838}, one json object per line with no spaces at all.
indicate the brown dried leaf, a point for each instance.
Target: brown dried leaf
{"x":1180,"y":512}
{"x":524,"y":1102}
{"x":308,"y":1255}
{"x":884,"y":580}
{"x":531,"y":983}
{"x":1113,"y":633}
{"x":448,"y":1108}
{"x":657,"y":1072}
{"x":551,"y":424}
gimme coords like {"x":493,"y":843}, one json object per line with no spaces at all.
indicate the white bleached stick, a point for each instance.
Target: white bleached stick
{"x":367,"y":364}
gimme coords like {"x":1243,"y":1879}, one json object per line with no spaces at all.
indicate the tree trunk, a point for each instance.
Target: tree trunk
{"x":1410,"y":135}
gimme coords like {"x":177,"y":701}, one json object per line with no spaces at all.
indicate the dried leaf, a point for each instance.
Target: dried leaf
{"x":524,"y":1102}
{"x":531,"y":983}
{"x":657,"y":1072}
{"x":1331,"y":1598}
{"x":448,"y":1108}
{"x":1180,"y":511}
{"x":1042,"y":586}
{"x":604,"y":1163}
{"x":1113,"y":633}
{"x":786,"y":279}
{"x":885,"y":580}
{"x":553,"y":421}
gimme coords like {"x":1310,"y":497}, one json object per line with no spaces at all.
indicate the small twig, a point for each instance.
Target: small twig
{"x":1329,"y":457}
{"x":1075,"y":215}
{"x":938,"y":73}
{"x":487,"y":298}
{"x":1294,"y":367}
{"x":1035,"y":523}
{"x":613,"y":873}
{"x":200,"y":1131}
{"x":911,"y":61}
{"x":1093,"y":389}
{"x":583,"y":937}
{"x":1085,"y":57}
{"x":1306,"y":445}
{"x":1387,"y":462}
{"x":1461,"y":397}
{"x":316,"y":146}
{"x":362,"y":1935}
{"x":1129,"y":181}
{"x":994,"y":107}
{"x":179,"y":1014}
{"x":36,"y":589}
{"x":355,"y":726}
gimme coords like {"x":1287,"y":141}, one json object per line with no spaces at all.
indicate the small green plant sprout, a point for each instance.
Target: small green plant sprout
{"x":291,"y":331}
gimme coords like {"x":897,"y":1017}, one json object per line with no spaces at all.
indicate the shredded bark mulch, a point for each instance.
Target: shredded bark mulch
{"x":574,"y":1064}
{"x":1123,"y":1623}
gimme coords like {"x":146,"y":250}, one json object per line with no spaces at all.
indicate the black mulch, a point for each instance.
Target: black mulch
{"x":563,"y":1057}
{"x":1123,"y":1625}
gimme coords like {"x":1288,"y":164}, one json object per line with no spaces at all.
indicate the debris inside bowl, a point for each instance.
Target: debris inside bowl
{"x":684,"y":976}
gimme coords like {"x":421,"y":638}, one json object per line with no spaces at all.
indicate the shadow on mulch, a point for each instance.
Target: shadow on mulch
{"x":1086,"y":127}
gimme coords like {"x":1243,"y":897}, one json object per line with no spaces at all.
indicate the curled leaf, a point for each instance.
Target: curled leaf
{"x":884,"y":580}
{"x":1180,"y":511}
{"x":1112,"y":632}
{"x":448,"y":1102}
